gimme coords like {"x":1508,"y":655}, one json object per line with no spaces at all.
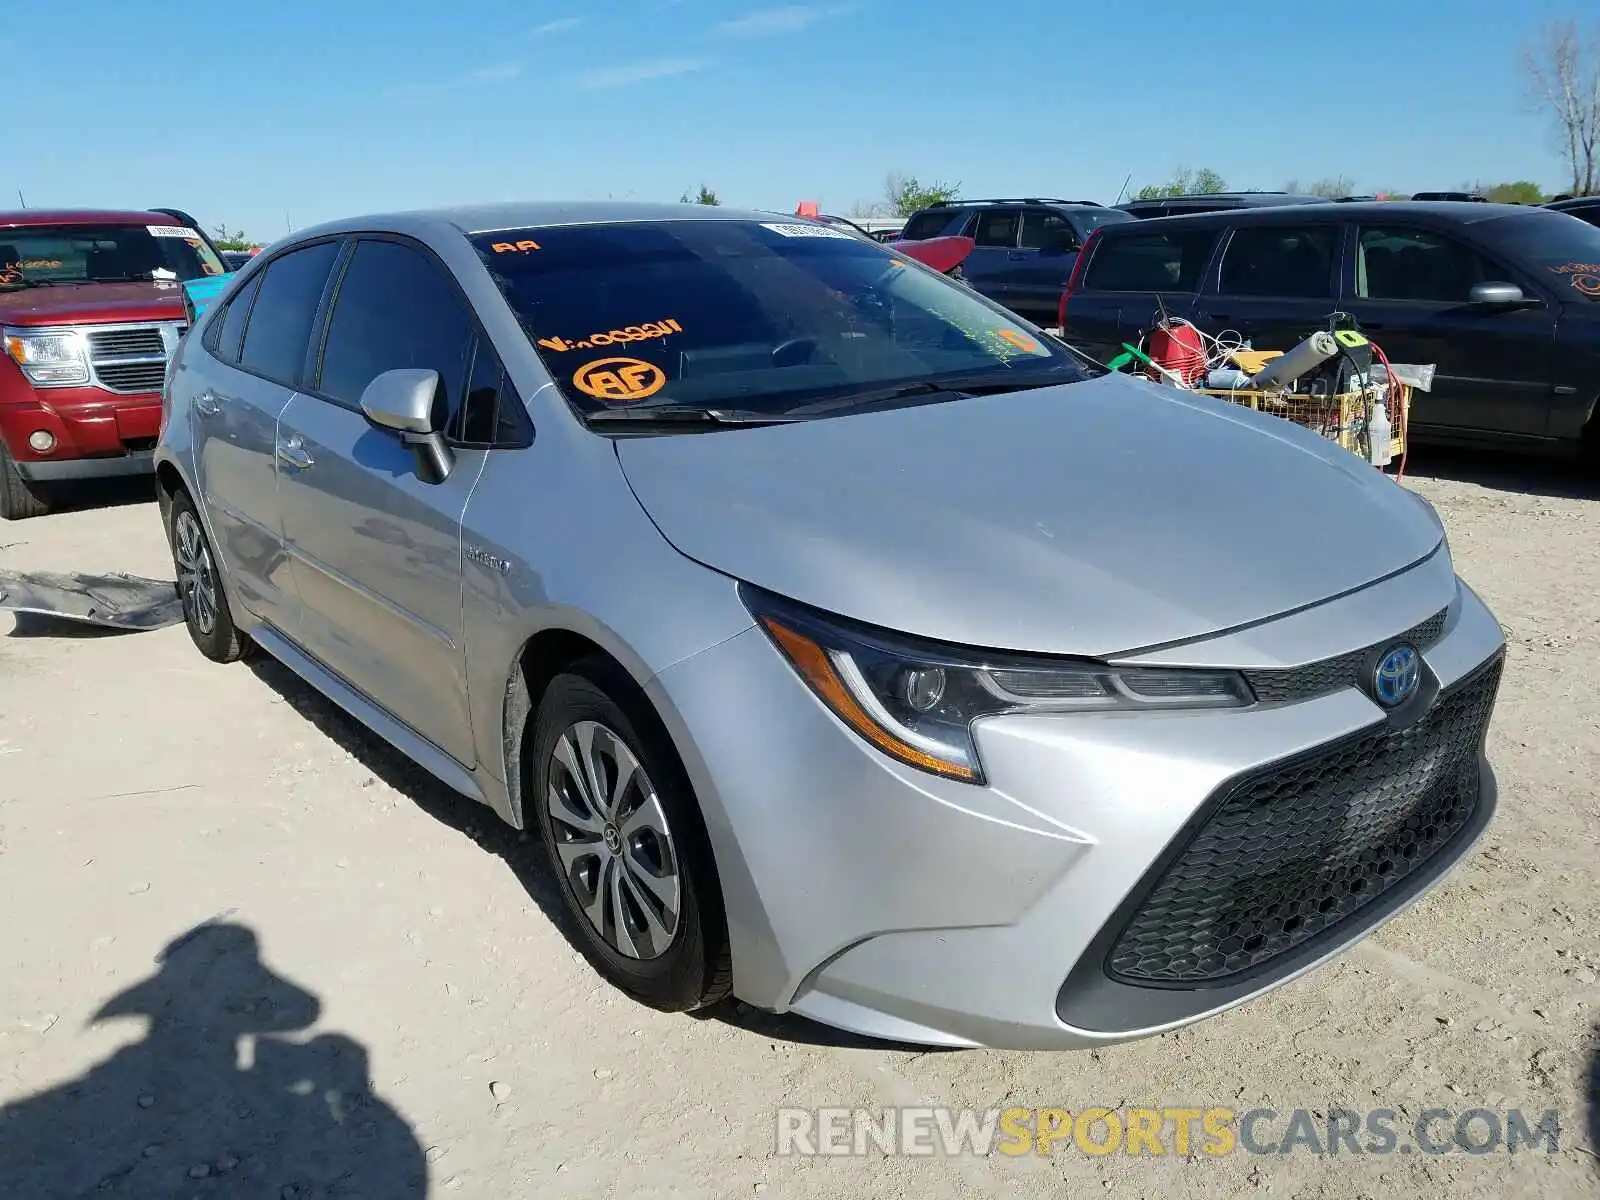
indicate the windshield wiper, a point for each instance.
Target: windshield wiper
{"x":686,"y":414}
{"x":988,"y":383}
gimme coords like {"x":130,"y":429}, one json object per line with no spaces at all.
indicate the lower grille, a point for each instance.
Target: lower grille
{"x":1316,"y":679}
{"x":1293,"y":850}
{"x":131,"y":377}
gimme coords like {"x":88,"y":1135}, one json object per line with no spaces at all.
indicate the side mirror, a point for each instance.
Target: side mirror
{"x":404,"y":400}
{"x":1496,"y":295}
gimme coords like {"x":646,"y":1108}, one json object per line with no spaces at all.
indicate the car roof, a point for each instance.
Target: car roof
{"x":1458,"y":212}
{"x":471,"y":220}
{"x":1013,"y":202}
{"x":1573,"y":202}
{"x":24,"y":217}
{"x":1237,"y":199}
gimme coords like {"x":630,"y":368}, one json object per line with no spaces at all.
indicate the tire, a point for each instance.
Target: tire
{"x":19,"y":499}
{"x":205,"y":603}
{"x":638,"y":883}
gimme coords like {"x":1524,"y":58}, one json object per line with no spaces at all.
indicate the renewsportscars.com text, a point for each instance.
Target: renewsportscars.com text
{"x":1177,"y":1131}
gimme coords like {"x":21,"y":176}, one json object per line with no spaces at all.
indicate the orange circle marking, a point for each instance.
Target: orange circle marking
{"x":619,"y":380}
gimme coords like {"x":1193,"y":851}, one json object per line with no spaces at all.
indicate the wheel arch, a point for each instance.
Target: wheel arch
{"x":542,"y":656}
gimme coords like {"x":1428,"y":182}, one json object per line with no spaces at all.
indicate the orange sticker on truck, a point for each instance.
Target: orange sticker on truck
{"x":619,"y":380}
{"x":647,"y":332}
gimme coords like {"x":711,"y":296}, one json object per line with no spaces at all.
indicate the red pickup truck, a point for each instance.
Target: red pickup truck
{"x":91,"y":308}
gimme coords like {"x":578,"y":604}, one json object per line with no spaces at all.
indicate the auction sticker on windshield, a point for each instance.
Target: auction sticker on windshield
{"x":619,"y":380}
{"x":648,"y":332}
{"x":804,"y":231}
{"x":173,"y":231}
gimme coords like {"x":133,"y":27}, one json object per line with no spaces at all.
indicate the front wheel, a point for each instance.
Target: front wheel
{"x":623,"y":836}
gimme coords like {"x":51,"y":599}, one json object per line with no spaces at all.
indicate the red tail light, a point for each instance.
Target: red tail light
{"x":1077,"y":276}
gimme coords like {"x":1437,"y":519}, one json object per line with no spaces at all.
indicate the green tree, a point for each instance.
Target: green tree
{"x":1329,"y":189}
{"x":907,"y":194}
{"x":1519,"y":192}
{"x":230,"y":239}
{"x":706,"y":196}
{"x":1184,"y":182}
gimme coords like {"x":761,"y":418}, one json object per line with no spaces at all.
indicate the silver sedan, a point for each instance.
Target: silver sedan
{"x":849,"y":644}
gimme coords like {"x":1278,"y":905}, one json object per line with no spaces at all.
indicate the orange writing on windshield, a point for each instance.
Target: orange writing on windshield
{"x":619,"y":380}
{"x":514,"y":247}
{"x":1020,"y":341}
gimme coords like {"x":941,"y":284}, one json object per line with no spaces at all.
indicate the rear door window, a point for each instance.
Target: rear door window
{"x":1043,"y":229}
{"x":281,"y":318}
{"x":927,"y":224}
{"x":1416,"y":264}
{"x":997,"y":228}
{"x":1280,"y":260}
{"x":1150,"y":262}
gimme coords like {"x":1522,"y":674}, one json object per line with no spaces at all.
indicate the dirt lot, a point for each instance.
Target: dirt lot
{"x":368,"y":926}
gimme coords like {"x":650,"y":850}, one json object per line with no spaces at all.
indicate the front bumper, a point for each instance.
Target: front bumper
{"x":875,"y":898}
{"x":97,"y":436}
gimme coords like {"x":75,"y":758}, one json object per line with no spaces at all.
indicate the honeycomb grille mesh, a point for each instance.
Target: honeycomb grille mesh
{"x":1297,"y":848}
{"x":1318,"y":678}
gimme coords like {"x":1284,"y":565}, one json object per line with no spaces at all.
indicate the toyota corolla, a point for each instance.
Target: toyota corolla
{"x":847,"y":643}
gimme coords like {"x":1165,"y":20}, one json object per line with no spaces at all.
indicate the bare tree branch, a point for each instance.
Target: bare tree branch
{"x":1562,"y":69}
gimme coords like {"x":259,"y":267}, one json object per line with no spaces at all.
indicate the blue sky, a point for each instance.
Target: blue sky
{"x":314,"y":110}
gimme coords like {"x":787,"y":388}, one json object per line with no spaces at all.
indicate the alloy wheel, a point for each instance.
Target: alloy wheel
{"x":613,"y":841}
{"x":197,"y":577}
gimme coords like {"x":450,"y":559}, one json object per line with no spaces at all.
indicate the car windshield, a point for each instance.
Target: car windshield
{"x":764,"y":316}
{"x":1561,"y":248}
{"x":60,"y":255}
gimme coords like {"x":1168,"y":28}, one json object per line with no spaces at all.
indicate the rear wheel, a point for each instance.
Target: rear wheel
{"x":623,"y":836}
{"x":19,"y":499}
{"x":205,"y":604}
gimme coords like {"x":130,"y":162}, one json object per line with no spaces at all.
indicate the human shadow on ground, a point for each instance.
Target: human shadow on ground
{"x":519,"y":850}
{"x":214,"y":1101}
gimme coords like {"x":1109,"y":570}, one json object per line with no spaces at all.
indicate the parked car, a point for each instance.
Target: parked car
{"x":90,"y":309}
{"x":1585,"y":208}
{"x":1505,"y":299}
{"x":1022,"y":250}
{"x":234,"y":259}
{"x":840,"y":640}
{"x":1203,"y":202}
{"x":1462,"y":197}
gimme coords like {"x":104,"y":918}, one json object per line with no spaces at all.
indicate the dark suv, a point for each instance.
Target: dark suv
{"x":1504,"y":299}
{"x":1023,"y":251}
{"x":1204,"y":202}
{"x":1585,"y":208}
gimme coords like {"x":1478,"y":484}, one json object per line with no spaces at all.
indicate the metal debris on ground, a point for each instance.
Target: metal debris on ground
{"x":117,"y":601}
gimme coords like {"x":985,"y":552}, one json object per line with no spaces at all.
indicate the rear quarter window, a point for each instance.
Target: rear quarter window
{"x":926,"y":225}
{"x":1151,"y":262}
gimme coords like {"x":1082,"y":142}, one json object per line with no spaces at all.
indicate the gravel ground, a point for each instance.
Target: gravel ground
{"x":250,"y":952}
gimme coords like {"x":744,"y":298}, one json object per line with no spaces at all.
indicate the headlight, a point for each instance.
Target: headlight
{"x":48,"y":359}
{"x":917,"y":702}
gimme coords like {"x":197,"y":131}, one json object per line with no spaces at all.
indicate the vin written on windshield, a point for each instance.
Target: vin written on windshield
{"x":750,"y":316}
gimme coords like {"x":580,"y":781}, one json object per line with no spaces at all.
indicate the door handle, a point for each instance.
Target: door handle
{"x":207,"y":404}
{"x":1016,"y":256}
{"x":292,"y":453}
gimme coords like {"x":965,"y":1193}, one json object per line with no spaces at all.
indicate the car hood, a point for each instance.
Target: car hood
{"x":1091,"y":519}
{"x":81,"y":303}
